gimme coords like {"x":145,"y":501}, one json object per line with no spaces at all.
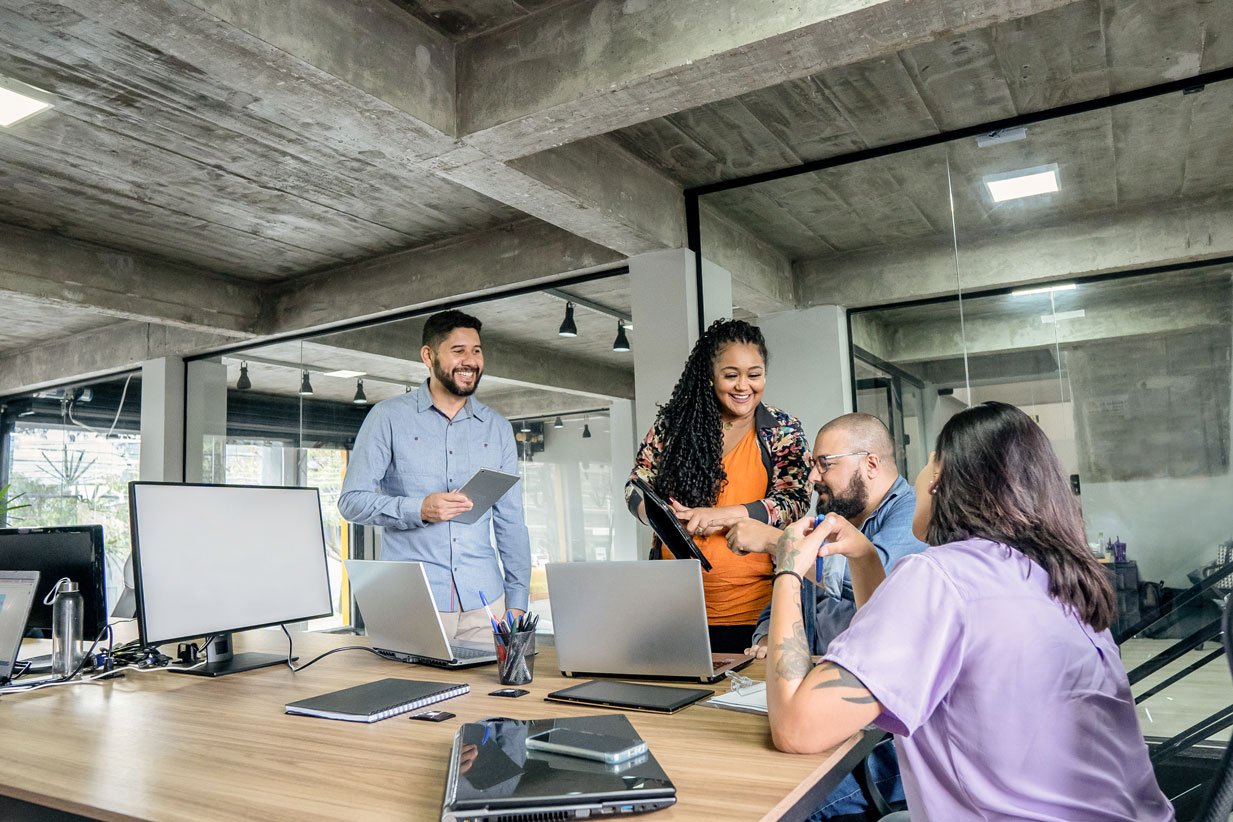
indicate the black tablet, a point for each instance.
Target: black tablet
{"x":630,"y":696}
{"x":667,"y":527}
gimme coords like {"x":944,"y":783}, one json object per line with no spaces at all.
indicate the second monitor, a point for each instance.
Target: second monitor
{"x":209,"y":560}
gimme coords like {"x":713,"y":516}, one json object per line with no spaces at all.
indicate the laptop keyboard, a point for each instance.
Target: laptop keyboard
{"x":472,"y":653}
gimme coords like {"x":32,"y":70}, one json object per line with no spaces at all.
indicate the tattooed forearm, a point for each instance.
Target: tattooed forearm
{"x":845,"y":679}
{"x":794,"y":662}
{"x":786,"y":551}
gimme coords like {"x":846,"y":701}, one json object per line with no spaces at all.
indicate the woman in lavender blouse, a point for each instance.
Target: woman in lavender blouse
{"x":988,"y":655}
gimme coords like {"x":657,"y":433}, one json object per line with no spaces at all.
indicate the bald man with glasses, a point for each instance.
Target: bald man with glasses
{"x":853,"y":472}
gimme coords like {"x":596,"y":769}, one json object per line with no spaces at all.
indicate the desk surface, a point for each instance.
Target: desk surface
{"x":155,"y":746}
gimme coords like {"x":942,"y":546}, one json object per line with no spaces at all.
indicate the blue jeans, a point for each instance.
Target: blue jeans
{"x":847,"y":798}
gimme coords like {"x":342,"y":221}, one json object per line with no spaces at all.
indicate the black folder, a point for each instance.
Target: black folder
{"x":378,"y":700}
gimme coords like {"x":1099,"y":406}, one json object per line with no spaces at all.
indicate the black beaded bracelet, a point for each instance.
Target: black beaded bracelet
{"x":779,"y":574}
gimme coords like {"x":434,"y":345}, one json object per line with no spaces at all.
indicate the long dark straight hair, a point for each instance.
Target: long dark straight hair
{"x":691,"y":468}
{"x":1000,"y":480}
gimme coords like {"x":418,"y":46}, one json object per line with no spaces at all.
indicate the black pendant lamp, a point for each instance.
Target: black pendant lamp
{"x":558,"y":423}
{"x":306,"y":387}
{"x":568,"y":327}
{"x":243,"y":383}
{"x":621,"y":343}
{"x":360,"y":399}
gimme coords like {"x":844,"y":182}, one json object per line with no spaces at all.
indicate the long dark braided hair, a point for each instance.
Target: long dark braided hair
{"x":691,"y":468}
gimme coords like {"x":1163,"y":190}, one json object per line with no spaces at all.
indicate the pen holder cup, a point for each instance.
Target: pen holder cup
{"x":515,"y":657}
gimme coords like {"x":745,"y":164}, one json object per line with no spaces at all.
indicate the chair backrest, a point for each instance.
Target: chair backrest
{"x":1218,"y":803}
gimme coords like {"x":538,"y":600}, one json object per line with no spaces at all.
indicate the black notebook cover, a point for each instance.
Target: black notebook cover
{"x":376,"y":700}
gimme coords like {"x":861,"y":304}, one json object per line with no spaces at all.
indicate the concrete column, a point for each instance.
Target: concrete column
{"x":666,"y":310}
{"x":205,"y":421}
{"x":162,"y":420}
{"x":810,"y":371}
{"x":625,"y":528}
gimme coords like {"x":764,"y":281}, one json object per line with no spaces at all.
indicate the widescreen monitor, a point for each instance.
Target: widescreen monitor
{"x":209,"y":560}
{"x":73,"y":551}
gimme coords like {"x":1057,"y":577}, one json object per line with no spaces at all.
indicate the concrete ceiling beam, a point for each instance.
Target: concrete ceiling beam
{"x":521,"y":404}
{"x":762,"y":280}
{"x":594,"y":67}
{"x":61,"y":272}
{"x":593,"y":188}
{"x":99,"y":353}
{"x":522,"y":253}
{"x":1167,"y":311}
{"x":1189,"y":232}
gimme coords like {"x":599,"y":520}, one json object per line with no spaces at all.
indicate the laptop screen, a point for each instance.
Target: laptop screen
{"x":16,"y":594}
{"x":492,"y":768}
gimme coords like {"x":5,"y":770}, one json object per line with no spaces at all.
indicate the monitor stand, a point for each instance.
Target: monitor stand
{"x":220,"y":661}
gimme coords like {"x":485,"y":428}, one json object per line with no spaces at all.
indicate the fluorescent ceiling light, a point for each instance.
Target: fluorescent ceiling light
{"x":1024,"y":292}
{"x":1062,"y":315}
{"x":1026,"y":182}
{"x":19,"y":101}
{"x":345,"y":373}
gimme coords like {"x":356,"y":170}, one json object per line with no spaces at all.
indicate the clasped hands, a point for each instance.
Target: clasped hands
{"x":797,"y":547}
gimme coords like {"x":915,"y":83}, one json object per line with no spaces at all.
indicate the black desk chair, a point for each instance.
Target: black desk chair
{"x":1218,"y":803}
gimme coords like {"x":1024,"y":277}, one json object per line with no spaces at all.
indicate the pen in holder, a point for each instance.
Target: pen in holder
{"x":515,"y":656}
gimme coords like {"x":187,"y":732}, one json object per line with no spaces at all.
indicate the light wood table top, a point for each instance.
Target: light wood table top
{"x":162,"y":746}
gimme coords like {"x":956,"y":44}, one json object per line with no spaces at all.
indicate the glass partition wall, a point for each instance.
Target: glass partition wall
{"x":287,"y":413}
{"x":1078,"y":267}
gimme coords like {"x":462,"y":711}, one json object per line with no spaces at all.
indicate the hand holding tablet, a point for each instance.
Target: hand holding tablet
{"x":485,"y":487}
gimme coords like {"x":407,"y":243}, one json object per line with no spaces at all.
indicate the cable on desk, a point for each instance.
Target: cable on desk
{"x":322,"y":656}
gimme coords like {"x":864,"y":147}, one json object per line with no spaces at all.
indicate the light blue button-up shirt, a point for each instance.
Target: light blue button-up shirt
{"x":408,"y":449}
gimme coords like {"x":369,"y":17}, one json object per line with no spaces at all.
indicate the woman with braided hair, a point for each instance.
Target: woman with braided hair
{"x":719,"y":455}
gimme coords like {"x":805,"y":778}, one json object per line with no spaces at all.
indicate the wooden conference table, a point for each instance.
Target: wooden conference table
{"x":163,"y":746}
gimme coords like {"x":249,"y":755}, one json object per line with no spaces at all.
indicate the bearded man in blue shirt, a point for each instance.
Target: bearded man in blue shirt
{"x":412,"y":454}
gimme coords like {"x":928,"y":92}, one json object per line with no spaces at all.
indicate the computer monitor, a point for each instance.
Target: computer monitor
{"x":209,"y":560}
{"x":73,"y":551}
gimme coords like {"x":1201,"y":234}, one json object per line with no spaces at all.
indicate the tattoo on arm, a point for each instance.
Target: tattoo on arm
{"x":786,"y":551}
{"x":846,"y":680}
{"x":794,"y":662}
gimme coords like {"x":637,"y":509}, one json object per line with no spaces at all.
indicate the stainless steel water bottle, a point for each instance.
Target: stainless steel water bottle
{"x":67,"y":616}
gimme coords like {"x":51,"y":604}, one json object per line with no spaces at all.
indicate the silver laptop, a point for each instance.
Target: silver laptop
{"x":16,"y":596}
{"x":401,"y":617}
{"x":634,"y":619}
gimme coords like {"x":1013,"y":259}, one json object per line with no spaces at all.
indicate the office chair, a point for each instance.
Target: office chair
{"x":1218,"y":803}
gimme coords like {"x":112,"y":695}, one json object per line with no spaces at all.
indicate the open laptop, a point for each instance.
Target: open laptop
{"x":16,"y":596}
{"x":639,"y":618}
{"x":493,"y":777}
{"x":401,"y":617}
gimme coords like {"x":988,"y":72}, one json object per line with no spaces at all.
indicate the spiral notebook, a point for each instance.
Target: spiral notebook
{"x":378,"y":700}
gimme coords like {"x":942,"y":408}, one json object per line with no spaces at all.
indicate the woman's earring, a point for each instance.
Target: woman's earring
{"x":933,"y":486}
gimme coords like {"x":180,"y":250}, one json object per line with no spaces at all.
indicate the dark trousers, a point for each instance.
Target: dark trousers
{"x":730,"y":639}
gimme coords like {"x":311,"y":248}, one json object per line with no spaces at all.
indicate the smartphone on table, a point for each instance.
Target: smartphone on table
{"x":600,"y":747}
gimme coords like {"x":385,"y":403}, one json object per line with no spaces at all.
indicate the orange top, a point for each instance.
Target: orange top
{"x":737,"y":588}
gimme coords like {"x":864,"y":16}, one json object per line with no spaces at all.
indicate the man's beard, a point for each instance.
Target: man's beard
{"x":447,"y":380}
{"x":848,"y":503}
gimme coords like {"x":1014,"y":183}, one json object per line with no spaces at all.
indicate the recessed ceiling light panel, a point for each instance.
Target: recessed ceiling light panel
{"x":345,"y":374}
{"x":1044,"y":289}
{"x":19,"y":101}
{"x":1025,"y":182}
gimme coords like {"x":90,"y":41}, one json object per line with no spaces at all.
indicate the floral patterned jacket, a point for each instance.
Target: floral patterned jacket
{"x":782,"y":444}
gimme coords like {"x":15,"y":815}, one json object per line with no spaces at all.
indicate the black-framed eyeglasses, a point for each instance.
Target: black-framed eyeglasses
{"x":823,"y":461}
